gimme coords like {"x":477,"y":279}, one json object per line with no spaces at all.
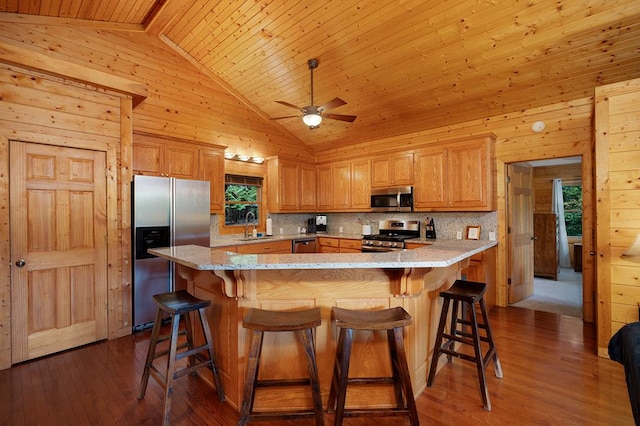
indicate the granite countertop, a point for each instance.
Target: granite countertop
{"x":439,"y":253}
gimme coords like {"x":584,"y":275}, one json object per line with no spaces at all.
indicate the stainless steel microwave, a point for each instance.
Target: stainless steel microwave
{"x":392,"y":199}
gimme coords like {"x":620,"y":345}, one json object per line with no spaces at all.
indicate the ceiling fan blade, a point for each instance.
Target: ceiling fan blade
{"x":341,"y":117}
{"x":333,"y":103}
{"x":287,"y":116}
{"x":288,"y":104}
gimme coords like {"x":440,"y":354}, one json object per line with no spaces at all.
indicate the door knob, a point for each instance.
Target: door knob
{"x":20,"y":263}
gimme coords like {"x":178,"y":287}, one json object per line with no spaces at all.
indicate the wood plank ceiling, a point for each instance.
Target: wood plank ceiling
{"x":401,"y":65}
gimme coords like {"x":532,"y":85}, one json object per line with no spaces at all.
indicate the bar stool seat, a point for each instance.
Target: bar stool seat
{"x":392,"y":320}
{"x":303,"y":322}
{"x":466,"y":295}
{"x":176,"y":304}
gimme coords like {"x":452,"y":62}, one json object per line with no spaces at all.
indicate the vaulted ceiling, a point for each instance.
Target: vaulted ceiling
{"x":400,"y":65}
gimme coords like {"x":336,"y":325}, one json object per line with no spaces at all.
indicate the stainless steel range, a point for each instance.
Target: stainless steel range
{"x":392,"y":236}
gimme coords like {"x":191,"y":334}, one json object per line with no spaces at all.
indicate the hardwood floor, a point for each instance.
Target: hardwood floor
{"x":551,"y":376}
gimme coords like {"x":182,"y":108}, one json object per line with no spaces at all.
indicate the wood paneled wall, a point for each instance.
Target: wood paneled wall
{"x":44,"y":109}
{"x":618,"y":209}
{"x":182,"y":102}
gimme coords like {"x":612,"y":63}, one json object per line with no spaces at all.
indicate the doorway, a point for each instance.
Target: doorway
{"x":557,"y":287}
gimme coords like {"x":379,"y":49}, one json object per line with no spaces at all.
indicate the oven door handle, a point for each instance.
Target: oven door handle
{"x":379,"y":249}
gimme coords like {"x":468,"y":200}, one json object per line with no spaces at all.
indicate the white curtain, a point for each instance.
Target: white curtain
{"x":557,"y":207}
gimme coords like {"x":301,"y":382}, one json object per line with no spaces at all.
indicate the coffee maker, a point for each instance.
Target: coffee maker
{"x":321,"y":223}
{"x":317,"y":225}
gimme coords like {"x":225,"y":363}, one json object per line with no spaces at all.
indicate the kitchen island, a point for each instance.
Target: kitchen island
{"x":234,"y":283}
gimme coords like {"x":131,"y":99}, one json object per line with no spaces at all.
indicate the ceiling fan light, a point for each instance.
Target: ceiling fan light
{"x":312,"y":120}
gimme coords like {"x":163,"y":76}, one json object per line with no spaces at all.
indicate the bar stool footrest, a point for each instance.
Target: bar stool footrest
{"x":370,"y":381}
{"x":191,"y":369}
{"x":290,"y":415}
{"x":192,"y":352}
{"x":166,"y":351}
{"x":376,"y":412}
{"x":282,"y":382}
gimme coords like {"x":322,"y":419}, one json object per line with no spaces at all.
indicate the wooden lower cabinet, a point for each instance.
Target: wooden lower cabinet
{"x":475,"y":270}
{"x":339,"y":245}
{"x":348,"y":245}
{"x":275,"y":247}
{"x":411,"y":246}
{"x":482,"y":268}
{"x":328,"y":245}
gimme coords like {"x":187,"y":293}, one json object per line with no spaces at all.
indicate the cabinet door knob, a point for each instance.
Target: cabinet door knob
{"x":20,"y":263}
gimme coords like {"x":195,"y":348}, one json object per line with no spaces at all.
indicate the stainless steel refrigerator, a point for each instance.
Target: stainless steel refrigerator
{"x":165,"y":212}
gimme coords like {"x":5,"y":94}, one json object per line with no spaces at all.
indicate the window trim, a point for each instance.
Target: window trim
{"x":244,"y":179}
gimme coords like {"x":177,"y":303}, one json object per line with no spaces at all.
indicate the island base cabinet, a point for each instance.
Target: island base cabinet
{"x":283,"y":356}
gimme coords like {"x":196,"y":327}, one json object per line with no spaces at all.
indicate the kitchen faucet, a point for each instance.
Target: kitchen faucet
{"x":246,"y":223}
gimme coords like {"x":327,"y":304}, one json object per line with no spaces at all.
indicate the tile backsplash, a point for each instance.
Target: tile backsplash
{"x":447,"y":224}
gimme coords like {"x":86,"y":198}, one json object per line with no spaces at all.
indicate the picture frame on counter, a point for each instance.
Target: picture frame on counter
{"x":473,"y":233}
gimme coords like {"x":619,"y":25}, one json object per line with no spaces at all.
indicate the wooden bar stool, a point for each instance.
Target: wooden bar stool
{"x":392,"y":320}
{"x":468,"y":294}
{"x":303,"y":323}
{"x":175,"y":304}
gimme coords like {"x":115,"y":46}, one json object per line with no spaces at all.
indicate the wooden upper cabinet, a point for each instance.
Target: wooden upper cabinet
{"x":430,"y":189}
{"x":392,"y":170}
{"x":325,"y":187}
{"x":469,"y":175}
{"x":344,"y":186}
{"x":181,"y":161}
{"x":211,"y":168}
{"x":457,"y":176}
{"x":308,"y":187}
{"x":291,"y":186}
{"x":159,"y":156}
{"x":156,"y":155}
{"x":341,"y":182}
{"x":360,"y":185}
{"x":148,"y":157}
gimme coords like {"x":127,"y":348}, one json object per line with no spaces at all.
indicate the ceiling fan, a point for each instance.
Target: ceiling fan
{"x":312,"y":115}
